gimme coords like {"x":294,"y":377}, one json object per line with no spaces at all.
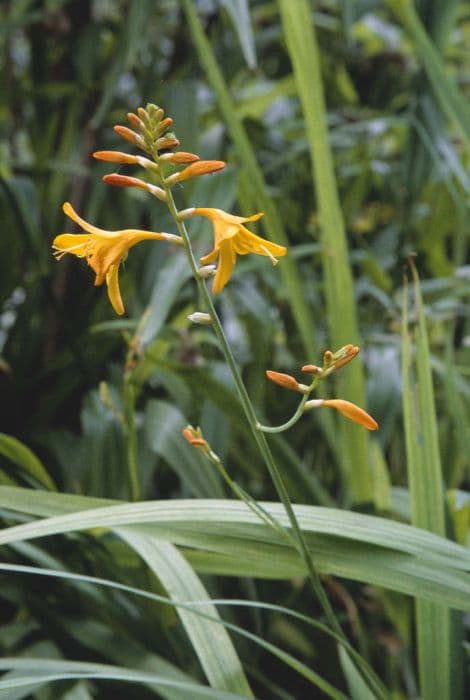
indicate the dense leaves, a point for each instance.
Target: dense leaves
{"x":244,"y":82}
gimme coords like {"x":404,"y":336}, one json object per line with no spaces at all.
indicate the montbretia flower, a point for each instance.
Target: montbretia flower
{"x":231,"y":238}
{"x":104,"y":250}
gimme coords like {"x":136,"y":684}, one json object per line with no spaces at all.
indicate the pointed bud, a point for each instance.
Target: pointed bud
{"x":129,"y":135}
{"x":142,"y":114}
{"x":202,"y":167}
{"x":348,"y":353}
{"x":284,"y":380}
{"x":134,"y":121}
{"x":125,"y":181}
{"x":164,"y":125}
{"x":311,"y":369}
{"x":167,"y":142}
{"x":179,"y":157}
{"x":353,"y":412}
{"x":115,"y":157}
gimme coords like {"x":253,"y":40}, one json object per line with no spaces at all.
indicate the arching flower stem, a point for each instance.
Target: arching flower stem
{"x":250,"y":414}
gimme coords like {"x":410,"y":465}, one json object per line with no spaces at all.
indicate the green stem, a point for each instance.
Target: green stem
{"x":292,"y":421}
{"x":129,"y":396}
{"x":253,"y":421}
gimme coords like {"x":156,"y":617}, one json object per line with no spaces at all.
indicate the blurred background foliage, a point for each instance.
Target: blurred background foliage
{"x":70,"y":70}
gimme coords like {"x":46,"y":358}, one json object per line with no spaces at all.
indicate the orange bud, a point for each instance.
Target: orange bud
{"x":353,"y":412}
{"x":128,"y":135}
{"x":125,"y":181}
{"x":201,"y":167}
{"x":164,"y":125}
{"x":311,"y":369}
{"x":180,"y":157}
{"x":284,"y":380}
{"x":134,"y":121}
{"x":115,"y":157}
{"x":194,"y":437}
{"x":345,"y":355}
{"x":165,"y":142}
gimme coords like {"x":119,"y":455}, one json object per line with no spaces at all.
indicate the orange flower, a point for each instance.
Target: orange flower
{"x":231,"y":238}
{"x":104,"y":250}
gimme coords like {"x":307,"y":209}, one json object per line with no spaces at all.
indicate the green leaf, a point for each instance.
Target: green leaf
{"x":209,"y":639}
{"x":341,"y":306}
{"x":24,"y":458}
{"x":36,"y":670}
{"x":434,"y":628}
{"x":450,"y":99}
{"x":233,"y":541}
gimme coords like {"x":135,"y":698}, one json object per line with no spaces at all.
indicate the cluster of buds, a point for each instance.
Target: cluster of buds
{"x":331,"y":362}
{"x":151,"y":133}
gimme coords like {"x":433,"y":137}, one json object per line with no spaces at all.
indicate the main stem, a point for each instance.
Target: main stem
{"x":253,"y":422}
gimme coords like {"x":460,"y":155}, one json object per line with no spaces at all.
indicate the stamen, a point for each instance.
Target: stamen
{"x":269,"y":254}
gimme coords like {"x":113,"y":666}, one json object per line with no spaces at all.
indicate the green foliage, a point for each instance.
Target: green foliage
{"x":347,"y":124}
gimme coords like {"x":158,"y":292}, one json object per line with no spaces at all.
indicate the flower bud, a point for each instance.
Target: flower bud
{"x":125,"y":181}
{"x":194,"y":437}
{"x":312,"y":369}
{"x":167,"y":142}
{"x":129,"y":135}
{"x":201,"y":167}
{"x":115,"y":157}
{"x":200,"y":318}
{"x":284,"y":380}
{"x":179,"y":157}
{"x":353,"y":412}
{"x":134,"y":121}
{"x":164,"y":125}
{"x":207,"y":271}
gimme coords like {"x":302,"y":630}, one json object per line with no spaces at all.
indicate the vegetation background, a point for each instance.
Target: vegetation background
{"x":241,"y":81}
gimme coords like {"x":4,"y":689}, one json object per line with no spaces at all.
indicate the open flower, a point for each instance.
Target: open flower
{"x":104,"y":250}
{"x":231,"y":238}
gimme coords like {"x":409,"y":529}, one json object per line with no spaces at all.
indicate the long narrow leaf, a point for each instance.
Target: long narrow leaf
{"x":341,"y":308}
{"x":210,"y":641}
{"x":427,"y":498}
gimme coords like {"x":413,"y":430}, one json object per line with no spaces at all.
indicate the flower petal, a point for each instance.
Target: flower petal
{"x":75,"y":243}
{"x":226,"y":264}
{"x":72,"y":214}
{"x":114,"y":294}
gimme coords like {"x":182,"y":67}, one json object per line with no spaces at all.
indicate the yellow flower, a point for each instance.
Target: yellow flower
{"x":231,"y":238}
{"x":104,"y":250}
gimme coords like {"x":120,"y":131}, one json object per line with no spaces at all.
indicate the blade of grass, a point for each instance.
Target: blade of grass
{"x":37,"y":670}
{"x":360,"y":547}
{"x":340,"y":305}
{"x":433,"y":622}
{"x":450,"y":99}
{"x":26,"y":460}
{"x":287,"y":658}
{"x":210,"y":640}
{"x":272,"y":219}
